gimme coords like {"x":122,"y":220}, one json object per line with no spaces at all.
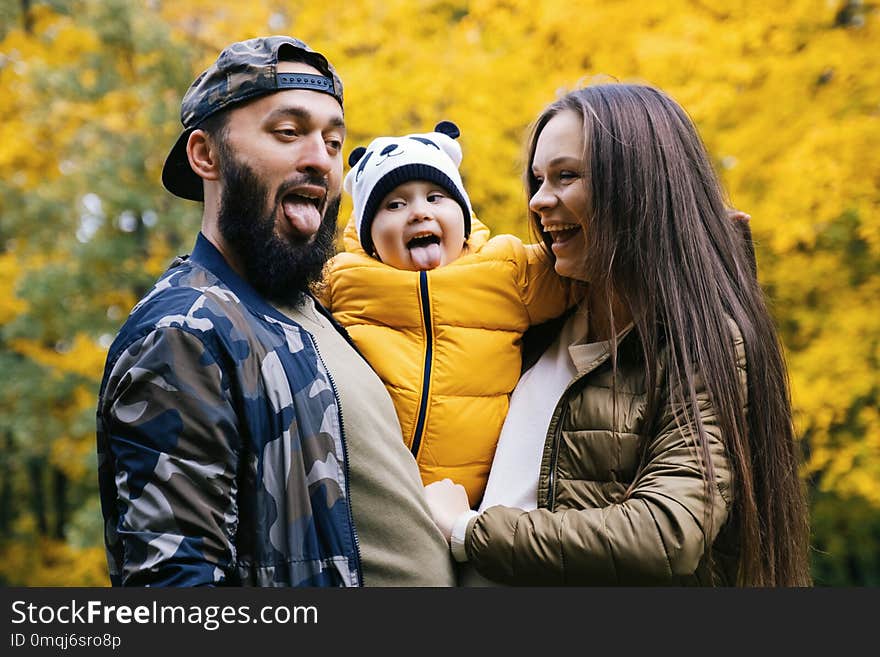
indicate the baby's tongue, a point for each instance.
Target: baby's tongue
{"x":302,"y":215}
{"x":426,"y":257}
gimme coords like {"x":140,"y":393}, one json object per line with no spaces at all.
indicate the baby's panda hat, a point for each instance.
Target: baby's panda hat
{"x":391,"y":161}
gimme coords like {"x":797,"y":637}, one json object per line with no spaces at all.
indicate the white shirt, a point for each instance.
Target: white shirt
{"x":513,"y":479}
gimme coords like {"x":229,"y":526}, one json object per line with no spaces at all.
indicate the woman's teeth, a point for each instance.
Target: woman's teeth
{"x":561,"y":231}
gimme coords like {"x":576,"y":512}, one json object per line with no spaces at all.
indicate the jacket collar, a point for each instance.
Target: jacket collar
{"x":588,"y":356}
{"x":206,"y":255}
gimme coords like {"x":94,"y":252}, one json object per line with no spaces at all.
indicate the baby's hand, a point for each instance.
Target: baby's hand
{"x":446,"y":500}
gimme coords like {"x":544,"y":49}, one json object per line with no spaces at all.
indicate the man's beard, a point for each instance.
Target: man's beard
{"x":281,"y":270}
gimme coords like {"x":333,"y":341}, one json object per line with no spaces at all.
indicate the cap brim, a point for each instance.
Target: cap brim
{"x":177,"y":175}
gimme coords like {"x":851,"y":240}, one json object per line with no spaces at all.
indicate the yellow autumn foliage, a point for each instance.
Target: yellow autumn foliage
{"x":83,"y":357}
{"x":786,"y":96}
{"x":10,"y":305}
{"x":54,"y":563}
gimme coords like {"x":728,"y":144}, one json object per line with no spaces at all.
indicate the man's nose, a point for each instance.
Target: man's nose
{"x":313,"y":156}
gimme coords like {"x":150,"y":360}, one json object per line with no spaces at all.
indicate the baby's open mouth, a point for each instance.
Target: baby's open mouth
{"x":422,"y":240}
{"x":424,"y":249}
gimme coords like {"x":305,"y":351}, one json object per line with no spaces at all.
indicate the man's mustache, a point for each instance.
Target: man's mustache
{"x":291,"y":184}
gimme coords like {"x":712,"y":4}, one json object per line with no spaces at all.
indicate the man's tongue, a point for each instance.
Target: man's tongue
{"x":426,"y":256}
{"x":302,"y":215}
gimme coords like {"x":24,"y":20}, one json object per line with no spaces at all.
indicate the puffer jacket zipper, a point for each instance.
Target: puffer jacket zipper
{"x":429,"y":359}
{"x":556,"y":438}
{"x":554,"y":432}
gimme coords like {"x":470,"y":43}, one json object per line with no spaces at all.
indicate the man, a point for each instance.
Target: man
{"x":241,"y":438}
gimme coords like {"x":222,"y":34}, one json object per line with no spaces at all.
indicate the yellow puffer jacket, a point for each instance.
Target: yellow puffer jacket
{"x":446,"y":342}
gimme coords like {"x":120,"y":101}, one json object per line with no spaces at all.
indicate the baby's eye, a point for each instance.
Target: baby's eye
{"x":394,"y":205}
{"x":433,"y":197}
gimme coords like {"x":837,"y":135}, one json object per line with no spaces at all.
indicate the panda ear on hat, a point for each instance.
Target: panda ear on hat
{"x":356,"y":155}
{"x":353,"y":158}
{"x":444,"y":135}
{"x":448,"y":128}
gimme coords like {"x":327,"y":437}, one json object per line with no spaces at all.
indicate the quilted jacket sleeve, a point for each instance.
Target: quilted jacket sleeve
{"x":658,"y":532}
{"x":545,"y":294}
{"x":168,"y":450}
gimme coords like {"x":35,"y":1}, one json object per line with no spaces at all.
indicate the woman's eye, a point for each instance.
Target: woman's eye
{"x":567,"y":175}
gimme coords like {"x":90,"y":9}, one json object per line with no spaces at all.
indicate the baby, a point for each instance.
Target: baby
{"x":436,"y":306}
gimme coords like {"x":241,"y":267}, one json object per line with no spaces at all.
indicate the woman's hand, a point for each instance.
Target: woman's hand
{"x":738,"y":215}
{"x":742,"y":222}
{"x":446,"y":500}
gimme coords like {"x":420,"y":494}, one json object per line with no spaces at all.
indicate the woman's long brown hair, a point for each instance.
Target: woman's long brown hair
{"x":660,"y":241}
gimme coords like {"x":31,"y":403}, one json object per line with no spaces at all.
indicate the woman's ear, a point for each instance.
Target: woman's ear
{"x":201,"y":150}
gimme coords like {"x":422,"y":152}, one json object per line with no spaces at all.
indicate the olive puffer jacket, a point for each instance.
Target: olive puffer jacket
{"x":617,"y":508}
{"x":446,"y":342}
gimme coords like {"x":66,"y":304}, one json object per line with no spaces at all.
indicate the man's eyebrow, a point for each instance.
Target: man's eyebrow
{"x":301,"y":113}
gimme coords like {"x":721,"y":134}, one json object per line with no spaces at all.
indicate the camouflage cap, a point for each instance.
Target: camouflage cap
{"x":243,"y":71}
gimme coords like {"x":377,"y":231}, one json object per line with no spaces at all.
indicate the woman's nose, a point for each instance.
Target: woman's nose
{"x":541,"y":200}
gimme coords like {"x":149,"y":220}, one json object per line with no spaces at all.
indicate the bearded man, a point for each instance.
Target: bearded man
{"x":242,"y":440}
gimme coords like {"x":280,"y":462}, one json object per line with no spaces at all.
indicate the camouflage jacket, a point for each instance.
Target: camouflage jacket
{"x":221,"y":454}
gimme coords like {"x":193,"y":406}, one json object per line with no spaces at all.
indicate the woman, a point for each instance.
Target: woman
{"x":652,"y":442}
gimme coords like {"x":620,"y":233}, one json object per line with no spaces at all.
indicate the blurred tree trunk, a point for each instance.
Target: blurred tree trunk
{"x":6,"y":486}
{"x":59,"y":494}
{"x":26,"y":18}
{"x":35,"y":468}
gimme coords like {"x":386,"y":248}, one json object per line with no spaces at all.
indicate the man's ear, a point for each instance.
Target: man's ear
{"x":201,"y":150}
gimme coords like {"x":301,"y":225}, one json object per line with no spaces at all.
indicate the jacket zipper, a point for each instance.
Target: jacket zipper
{"x":354,"y":536}
{"x":557,"y":434}
{"x":551,"y":479}
{"x":426,"y":371}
